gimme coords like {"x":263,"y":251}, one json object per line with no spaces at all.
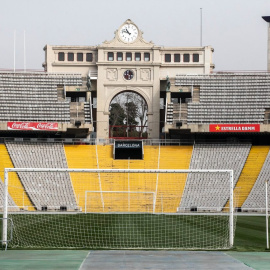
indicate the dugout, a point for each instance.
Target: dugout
{"x":126,"y":149}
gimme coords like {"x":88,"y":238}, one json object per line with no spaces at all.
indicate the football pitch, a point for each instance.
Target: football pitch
{"x":250,"y":234}
{"x":33,"y":231}
{"x":249,"y":251}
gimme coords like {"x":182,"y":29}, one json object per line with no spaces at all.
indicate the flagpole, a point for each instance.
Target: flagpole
{"x":24,"y":58}
{"x":14,"y":49}
{"x":201,"y":26}
{"x":266,"y":213}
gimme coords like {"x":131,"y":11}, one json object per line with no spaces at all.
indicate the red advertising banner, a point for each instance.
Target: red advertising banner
{"x":32,"y":126}
{"x":234,"y":128}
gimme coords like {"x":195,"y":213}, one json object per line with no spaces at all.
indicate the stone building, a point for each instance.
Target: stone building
{"x":128,"y":63}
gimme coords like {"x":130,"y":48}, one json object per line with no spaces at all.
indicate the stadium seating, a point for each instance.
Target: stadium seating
{"x":170,"y":157}
{"x":250,"y":173}
{"x":199,"y":186}
{"x":256,"y":197}
{"x":42,"y":187}
{"x":29,"y":190}
{"x":33,"y":97}
{"x":16,"y":189}
{"x":11,"y":204}
{"x":228,"y":98}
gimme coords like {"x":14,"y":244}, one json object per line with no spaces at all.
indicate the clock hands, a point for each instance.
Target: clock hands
{"x":126,"y":31}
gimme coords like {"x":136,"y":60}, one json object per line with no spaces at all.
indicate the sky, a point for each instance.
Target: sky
{"x":234,"y":28}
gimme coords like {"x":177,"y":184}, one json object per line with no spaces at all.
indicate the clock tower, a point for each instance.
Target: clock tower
{"x":128,"y":63}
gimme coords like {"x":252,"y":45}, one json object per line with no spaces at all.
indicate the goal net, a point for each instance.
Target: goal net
{"x":119,"y":201}
{"x":118,"y":209}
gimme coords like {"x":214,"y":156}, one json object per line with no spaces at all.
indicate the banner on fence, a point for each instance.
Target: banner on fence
{"x":234,"y":128}
{"x":45,"y":126}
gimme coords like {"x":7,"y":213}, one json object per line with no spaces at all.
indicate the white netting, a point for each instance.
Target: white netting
{"x":120,"y":209}
{"x":119,"y":202}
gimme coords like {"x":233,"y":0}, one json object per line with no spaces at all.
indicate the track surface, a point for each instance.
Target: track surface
{"x":129,"y":259}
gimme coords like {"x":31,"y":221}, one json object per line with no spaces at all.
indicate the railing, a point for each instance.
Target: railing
{"x":22,"y":70}
{"x":107,"y":141}
{"x":215,"y":122}
{"x":239,"y":71}
{"x":94,"y":141}
{"x":50,"y":140}
{"x":41,"y":72}
{"x":261,"y":210}
{"x":221,"y":121}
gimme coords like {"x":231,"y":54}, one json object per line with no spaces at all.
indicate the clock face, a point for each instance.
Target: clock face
{"x":128,"y":74}
{"x":128,"y":33}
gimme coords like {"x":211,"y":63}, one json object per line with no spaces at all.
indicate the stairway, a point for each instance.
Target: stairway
{"x":183,"y":115}
{"x":60,"y":93}
{"x":87,"y":113}
{"x":196,"y":95}
{"x":169,"y":113}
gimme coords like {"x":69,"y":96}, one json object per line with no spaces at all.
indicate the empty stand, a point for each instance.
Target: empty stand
{"x":11,"y":204}
{"x":200,"y":186}
{"x":256,"y":198}
{"x":43,"y":188}
{"x":172,"y":157}
{"x":250,"y":172}
{"x":155,"y":157}
{"x":34,"y":96}
{"x":228,"y":97}
{"x":16,"y":189}
{"x":80,"y":157}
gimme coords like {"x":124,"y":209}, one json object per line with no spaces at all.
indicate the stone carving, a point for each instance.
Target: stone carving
{"x":112,"y":74}
{"x":168,"y":84}
{"x":145,"y":74}
{"x":88,"y":84}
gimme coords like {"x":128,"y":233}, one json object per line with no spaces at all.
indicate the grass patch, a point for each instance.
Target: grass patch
{"x":250,"y":234}
{"x":142,"y":231}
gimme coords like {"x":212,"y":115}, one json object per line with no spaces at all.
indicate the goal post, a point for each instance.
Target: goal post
{"x":133,"y":208}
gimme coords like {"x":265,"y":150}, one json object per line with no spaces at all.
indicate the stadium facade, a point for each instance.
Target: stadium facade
{"x":184,"y":96}
{"x":225,"y":116}
{"x":109,"y":63}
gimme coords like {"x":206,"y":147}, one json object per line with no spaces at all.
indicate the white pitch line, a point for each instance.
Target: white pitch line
{"x":84,"y":260}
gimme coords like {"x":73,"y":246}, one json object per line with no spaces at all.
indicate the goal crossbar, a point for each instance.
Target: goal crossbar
{"x":7,"y":170}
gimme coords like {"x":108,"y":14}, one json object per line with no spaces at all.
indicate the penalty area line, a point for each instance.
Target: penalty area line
{"x":84,"y":260}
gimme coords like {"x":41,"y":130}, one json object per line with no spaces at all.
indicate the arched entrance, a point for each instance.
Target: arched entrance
{"x":128,"y":116}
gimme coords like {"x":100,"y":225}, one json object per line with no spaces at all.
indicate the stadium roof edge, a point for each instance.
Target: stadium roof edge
{"x":266,"y":18}
{"x":38,"y":72}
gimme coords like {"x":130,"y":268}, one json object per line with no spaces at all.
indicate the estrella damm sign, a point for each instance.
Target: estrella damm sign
{"x":234,"y":128}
